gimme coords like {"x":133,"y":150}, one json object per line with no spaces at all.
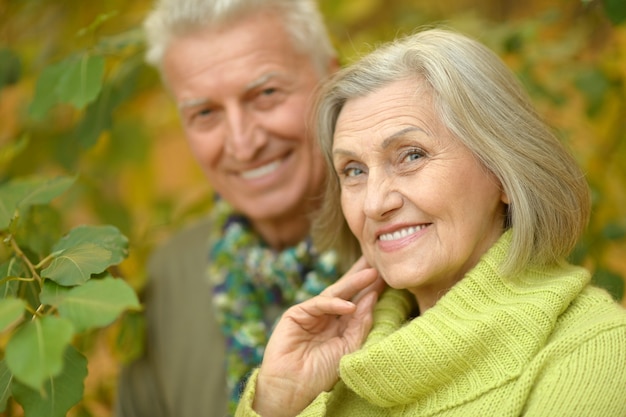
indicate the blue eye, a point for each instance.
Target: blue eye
{"x":413,"y":155}
{"x":352,"y":172}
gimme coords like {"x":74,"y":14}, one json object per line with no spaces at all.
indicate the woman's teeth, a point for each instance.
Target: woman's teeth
{"x":399,"y":234}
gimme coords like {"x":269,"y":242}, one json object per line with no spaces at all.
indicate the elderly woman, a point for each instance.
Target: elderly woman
{"x":465,"y":204}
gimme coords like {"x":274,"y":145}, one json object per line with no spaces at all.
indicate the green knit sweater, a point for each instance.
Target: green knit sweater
{"x":545,"y":343}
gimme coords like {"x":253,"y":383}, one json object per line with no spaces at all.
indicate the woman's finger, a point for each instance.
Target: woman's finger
{"x":308,"y":312}
{"x":356,"y":279}
{"x":378,"y":286}
{"x":361,"y":321}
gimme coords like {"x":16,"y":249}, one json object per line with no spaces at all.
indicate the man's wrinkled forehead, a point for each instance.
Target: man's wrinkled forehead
{"x":256,"y":83}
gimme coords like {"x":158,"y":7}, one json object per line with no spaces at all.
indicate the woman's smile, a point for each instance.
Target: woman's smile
{"x":400,"y":234}
{"x":421,"y":205}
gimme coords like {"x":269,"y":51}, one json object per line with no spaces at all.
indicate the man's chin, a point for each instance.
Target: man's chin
{"x":279,"y":208}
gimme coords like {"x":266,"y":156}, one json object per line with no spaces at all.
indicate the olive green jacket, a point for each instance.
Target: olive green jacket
{"x":181,"y":373}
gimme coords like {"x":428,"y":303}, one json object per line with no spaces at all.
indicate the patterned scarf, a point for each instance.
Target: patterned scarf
{"x":253,"y":285}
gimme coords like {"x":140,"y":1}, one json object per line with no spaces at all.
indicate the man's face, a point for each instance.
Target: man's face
{"x":244,"y":95}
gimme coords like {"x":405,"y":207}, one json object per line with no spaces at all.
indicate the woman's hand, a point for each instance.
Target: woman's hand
{"x":302,"y":357}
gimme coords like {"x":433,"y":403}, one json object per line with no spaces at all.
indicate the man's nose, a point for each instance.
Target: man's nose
{"x":244,"y":136}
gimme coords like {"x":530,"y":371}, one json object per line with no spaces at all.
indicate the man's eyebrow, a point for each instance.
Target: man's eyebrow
{"x":193,"y":102}
{"x":261,"y":80}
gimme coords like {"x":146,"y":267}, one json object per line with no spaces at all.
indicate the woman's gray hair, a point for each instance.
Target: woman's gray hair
{"x":173,"y":18}
{"x":484,"y":106}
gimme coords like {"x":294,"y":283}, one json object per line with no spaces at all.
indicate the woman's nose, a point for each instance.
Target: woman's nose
{"x":382,"y":196}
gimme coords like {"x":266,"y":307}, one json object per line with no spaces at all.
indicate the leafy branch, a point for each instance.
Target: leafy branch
{"x":55,"y":289}
{"x":73,"y":294}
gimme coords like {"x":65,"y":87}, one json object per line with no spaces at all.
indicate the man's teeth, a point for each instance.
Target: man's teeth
{"x":399,"y":234}
{"x":261,"y":171}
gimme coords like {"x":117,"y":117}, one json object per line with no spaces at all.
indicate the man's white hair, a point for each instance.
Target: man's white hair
{"x":301,"y":18}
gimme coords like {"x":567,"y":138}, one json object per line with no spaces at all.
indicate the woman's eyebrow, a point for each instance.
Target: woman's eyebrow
{"x":386,"y":143}
{"x":399,"y":134}
{"x":343,"y":152}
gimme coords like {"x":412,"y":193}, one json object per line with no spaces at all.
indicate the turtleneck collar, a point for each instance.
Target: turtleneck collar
{"x":478,"y":336}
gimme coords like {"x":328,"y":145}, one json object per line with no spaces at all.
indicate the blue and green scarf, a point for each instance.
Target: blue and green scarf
{"x":253,"y":285}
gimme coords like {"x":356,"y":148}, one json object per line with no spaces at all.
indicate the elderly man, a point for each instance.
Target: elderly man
{"x":243,"y":74}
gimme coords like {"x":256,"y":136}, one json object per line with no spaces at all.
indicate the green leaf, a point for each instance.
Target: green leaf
{"x":11,"y":310}
{"x":97,"y":119}
{"x":45,"y":91}
{"x":610,"y":281}
{"x":12,"y":149}
{"x":12,"y":268}
{"x":514,"y":43}
{"x":613,"y":231}
{"x":615,"y":11}
{"x":10,"y":67}
{"x":81,"y":81}
{"x":52,"y":294}
{"x":5,"y":385}
{"x":9,"y":197}
{"x":580,"y":252}
{"x":594,"y":84}
{"x":100,"y":19}
{"x":84,"y":251}
{"x":60,"y":393}
{"x":22,"y":193}
{"x":122,"y":41}
{"x":39,"y":230}
{"x":35,"y":352}
{"x":99,"y":114}
{"x":130,"y":337}
{"x":74,"y":266}
{"x":106,"y":236}
{"x":43,"y":191}
{"x":97,"y":303}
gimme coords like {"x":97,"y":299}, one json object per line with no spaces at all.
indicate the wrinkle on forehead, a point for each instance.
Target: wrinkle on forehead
{"x":245,"y":53}
{"x":193,"y":102}
{"x":367,"y":122}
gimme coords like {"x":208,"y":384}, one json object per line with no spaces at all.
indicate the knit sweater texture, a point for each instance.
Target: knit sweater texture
{"x":542,"y":343}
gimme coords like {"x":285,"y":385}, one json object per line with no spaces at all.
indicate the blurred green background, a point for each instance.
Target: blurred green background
{"x":134,"y":168}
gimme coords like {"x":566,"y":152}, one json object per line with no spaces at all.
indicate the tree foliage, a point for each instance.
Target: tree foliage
{"x":94,"y":170}
{"x":47,"y":301}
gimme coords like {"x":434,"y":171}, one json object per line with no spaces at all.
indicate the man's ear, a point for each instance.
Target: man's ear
{"x":333,"y":65}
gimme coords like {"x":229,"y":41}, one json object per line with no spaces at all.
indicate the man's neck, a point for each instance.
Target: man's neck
{"x":283,"y":233}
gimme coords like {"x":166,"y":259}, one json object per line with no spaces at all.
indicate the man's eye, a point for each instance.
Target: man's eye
{"x":268,"y":91}
{"x":202,"y":118}
{"x":267,"y":98}
{"x":203,"y":112}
